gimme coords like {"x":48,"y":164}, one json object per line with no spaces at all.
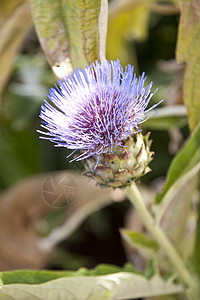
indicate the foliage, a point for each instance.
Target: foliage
{"x":188,"y":52}
{"x":76,"y":285}
{"x":185,"y":160}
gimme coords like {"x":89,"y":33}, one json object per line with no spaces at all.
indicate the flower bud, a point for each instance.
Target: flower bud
{"x":127,"y":163}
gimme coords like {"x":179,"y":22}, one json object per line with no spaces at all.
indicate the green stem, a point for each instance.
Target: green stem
{"x":135,"y":197}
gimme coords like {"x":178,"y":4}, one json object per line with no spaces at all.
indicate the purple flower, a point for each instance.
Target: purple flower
{"x":95,"y":108}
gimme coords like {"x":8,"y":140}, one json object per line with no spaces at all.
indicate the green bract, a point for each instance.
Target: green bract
{"x":124,"y":165}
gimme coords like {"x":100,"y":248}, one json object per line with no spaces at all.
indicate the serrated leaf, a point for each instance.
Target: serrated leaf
{"x":184,"y":161}
{"x":114,"y":286}
{"x":188,"y":51}
{"x":68,"y":32}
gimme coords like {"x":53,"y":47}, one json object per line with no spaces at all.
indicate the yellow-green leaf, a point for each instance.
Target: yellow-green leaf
{"x":188,"y":52}
{"x":68,"y":31}
{"x":184,"y":161}
{"x":81,"y":18}
{"x":140,"y":241}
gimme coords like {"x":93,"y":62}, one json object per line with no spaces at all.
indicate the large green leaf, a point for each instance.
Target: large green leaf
{"x":122,"y":285}
{"x":69,"y":32}
{"x":36,"y":277}
{"x":81,"y":19}
{"x":188,"y":51}
{"x":184,"y":161}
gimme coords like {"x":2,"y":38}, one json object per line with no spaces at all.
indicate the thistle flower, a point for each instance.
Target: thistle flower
{"x":96,"y":109}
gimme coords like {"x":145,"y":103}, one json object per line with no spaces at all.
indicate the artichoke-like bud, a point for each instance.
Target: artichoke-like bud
{"x":126,"y":163}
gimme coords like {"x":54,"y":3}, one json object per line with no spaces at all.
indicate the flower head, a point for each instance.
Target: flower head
{"x":96,"y":108}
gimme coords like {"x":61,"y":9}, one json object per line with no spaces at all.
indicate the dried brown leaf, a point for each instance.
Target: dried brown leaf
{"x":23,"y":205}
{"x":12,"y":34}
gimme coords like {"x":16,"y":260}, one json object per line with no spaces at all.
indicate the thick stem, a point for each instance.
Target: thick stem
{"x":135,"y":197}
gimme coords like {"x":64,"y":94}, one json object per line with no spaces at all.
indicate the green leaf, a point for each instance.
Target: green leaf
{"x":188,"y":51}
{"x":69,"y":32}
{"x":81,"y":19}
{"x":147,"y":248}
{"x":184,"y":161}
{"x":32,"y":277}
{"x":120,"y":285}
{"x":166,"y":118}
{"x":36,"y":277}
{"x":139,"y":240}
{"x":177,"y":203}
